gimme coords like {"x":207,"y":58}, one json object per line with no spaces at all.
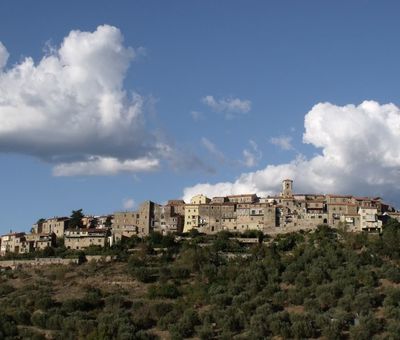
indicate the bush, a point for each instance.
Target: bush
{"x":44,"y":303}
{"x":168,"y":291}
{"x":38,"y":319}
{"x":22,"y":316}
{"x":184,"y":328}
{"x":393,"y":274}
{"x":180,"y":272}
{"x":280,"y":324}
{"x":6,"y":289}
{"x":234,"y":320}
{"x":8,"y":327}
{"x":161,"y":309}
{"x":144,"y":274}
{"x":368,"y":326}
{"x":55,"y":321}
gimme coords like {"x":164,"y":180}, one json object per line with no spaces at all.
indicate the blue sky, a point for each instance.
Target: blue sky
{"x":233,"y":90}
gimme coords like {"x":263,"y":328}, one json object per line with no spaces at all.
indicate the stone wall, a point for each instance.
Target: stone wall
{"x":37,"y":262}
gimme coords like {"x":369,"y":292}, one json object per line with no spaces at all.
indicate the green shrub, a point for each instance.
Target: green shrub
{"x":6,"y":289}
{"x":185,"y":327}
{"x":144,"y":274}
{"x":22,"y":316}
{"x":160,"y":309}
{"x":39,"y":319}
{"x":44,"y":303}
{"x":8,"y":327}
{"x":168,"y":291}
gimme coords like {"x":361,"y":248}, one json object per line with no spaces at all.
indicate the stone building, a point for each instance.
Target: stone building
{"x":14,"y":243}
{"x":56,"y":225}
{"x":79,"y":239}
{"x":169,"y":218}
{"x":285,"y":212}
{"x":40,"y":241}
{"x":104,"y":221}
{"x":139,"y":222}
{"x":337,"y":209}
{"x":287,"y":188}
{"x":369,"y":219}
{"x":192,"y":214}
{"x":247,"y":198}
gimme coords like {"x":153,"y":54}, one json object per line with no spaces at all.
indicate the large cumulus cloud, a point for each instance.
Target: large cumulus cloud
{"x":71,"y":107}
{"x":357,"y":151}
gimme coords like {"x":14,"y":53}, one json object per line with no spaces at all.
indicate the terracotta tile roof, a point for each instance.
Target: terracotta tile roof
{"x":338,"y":196}
{"x":16,"y":234}
{"x":341,"y":203}
{"x":244,"y":195}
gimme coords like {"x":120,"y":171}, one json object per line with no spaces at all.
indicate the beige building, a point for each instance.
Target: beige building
{"x":284,"y":213}
{"x":56,"y":225}
{"x":247,"y":198}
{"x":169,"y":218}
{"x":369,"y":219}
{"x":14,"y":243}
{"x":104,"y":221}
{"x":256,"y":216}
{"x":200,"y":199}
{"x":336,"y":209}
{"x":79,"y":239}
{"x":192,"y":217}
{"x":287,"y":188}
{"x":351,"y":222}
{"x":140,"y":222}
{"x":40,"y":241}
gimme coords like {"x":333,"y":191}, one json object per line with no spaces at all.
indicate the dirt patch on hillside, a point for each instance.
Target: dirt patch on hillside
{"x":298,"y":309}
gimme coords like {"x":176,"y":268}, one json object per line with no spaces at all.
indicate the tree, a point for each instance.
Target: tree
{"x":94,"y":222}
{"x":108,"y":222}
{"x":76,"y":219}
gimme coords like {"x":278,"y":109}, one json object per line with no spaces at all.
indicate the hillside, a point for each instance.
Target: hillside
{"x":328,"y":284}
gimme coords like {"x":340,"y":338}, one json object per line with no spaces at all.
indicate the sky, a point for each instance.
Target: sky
{"x":106,"y":104}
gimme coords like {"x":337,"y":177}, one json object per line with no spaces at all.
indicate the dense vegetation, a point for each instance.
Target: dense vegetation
{"x":327,"y":284}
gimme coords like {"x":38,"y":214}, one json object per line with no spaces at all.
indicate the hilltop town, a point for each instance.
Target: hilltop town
{"x":283,"y":213}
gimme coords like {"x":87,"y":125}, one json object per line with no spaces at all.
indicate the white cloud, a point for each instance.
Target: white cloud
{"x":212,"y":149}
{"x":229,"y":106}
{"x":360,"y":154}
{"x":105,"y":166}
{"x":197,"y":115}
{"x":251,"y":157}
{"x":71,"y":106}
{"x":284,"y":142}
{"x":3,"y":55}
{"x":128,"y":203}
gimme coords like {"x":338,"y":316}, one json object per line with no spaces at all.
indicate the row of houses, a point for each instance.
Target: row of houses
{"x":282,"y":213}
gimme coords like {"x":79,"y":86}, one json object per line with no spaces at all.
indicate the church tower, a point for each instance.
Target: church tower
{"x":287,"y":188}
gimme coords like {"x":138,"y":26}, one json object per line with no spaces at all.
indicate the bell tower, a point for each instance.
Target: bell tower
{"x":287,"y":188}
